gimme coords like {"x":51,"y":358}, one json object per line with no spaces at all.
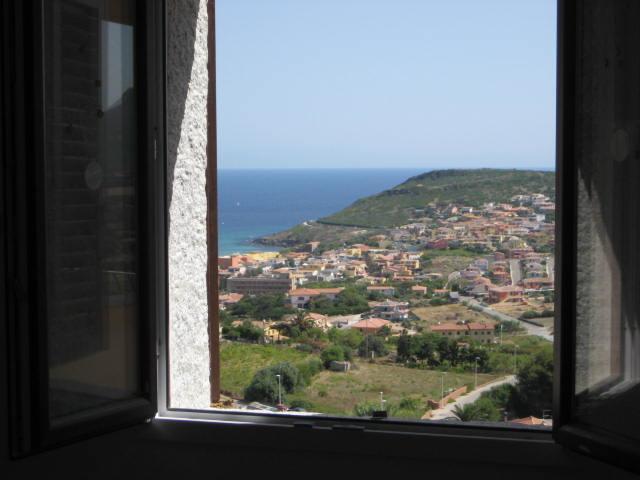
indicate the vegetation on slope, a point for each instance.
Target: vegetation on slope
{"x":463,"y":187}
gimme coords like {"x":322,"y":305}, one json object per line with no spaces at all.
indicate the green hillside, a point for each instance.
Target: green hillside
{"x":463,"y":187}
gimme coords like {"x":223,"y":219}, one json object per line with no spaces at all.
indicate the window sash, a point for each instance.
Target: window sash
{"x":32,"y":429}
{"x":568,"y":429}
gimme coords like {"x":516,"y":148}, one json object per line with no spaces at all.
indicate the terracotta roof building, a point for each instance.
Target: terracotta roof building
{"x":370,"y":325}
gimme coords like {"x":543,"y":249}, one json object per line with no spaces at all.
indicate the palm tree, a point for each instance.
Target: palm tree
{"x":302,"y":321}
{"x":467,"y":412}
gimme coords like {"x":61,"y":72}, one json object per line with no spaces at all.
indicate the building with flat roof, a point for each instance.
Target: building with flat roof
{"x":301,"y":297}
{"x":508,"y":293}
{"x":390,"y":310}
{"x":259,"y":285}
{"x":479,"y":332}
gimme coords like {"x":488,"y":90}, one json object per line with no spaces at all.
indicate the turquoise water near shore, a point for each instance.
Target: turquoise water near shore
{"x":253,"y":203}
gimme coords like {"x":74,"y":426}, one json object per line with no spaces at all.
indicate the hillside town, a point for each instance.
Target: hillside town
{"x":473,"y":276}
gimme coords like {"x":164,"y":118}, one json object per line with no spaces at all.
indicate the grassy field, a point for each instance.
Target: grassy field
{"x":240,"y":361}
{"x":335,"y":392}
{"x":515,"y":310}
{"x":448,"y":313}
{"x":446,"y":264}
{"x":338,"y":393}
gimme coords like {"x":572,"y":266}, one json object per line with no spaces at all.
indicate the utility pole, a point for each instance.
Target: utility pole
{"x":442,"y":385}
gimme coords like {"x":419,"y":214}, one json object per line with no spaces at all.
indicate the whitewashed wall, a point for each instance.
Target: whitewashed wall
{"x":187,"y":142}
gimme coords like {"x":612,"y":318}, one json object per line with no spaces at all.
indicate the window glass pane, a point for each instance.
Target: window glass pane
{"x":91,"y":196}
{"x":607,"y":362}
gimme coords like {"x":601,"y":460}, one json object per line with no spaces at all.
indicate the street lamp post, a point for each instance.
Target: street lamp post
{"x":442,"y":384}
{"x":476,"y":379}
{"x":279,"y":389}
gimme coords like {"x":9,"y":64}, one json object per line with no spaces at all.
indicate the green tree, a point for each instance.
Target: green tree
{"x":448,"y":351}
{"x":271,"y":307}
{"x":264,"y":386}
{"x":483,"y":410}
{"x":372,"y":343}
{"x":250,"y":332}
{"x":404,"y":351}
{"x":333,"y":353}
{"x":348,"y":302}
{"x":349,"y":337}
{"x":534,"y":387}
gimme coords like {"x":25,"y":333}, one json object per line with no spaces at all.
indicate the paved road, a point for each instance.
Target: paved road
{"x":470,"y":397}
{"x":516,"y":271}
{"x":530,"y":328}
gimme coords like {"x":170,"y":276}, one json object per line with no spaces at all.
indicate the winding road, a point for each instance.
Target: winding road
{"x":447,"y":411}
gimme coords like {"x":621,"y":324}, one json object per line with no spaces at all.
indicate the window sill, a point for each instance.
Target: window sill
{"x":460,"y":443}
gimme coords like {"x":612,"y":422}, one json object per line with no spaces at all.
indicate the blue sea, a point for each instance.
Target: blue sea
{"x":253,"y":203}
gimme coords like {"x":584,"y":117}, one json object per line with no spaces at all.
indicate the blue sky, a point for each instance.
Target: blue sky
{"x":386,"y":84}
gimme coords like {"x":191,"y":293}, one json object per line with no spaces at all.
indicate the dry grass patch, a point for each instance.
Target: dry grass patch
{"x":448,"y":313}
{"x":339,"y":393}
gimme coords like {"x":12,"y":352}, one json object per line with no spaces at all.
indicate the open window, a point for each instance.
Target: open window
{"x":88,"y":194}
{"x":83,"y":147}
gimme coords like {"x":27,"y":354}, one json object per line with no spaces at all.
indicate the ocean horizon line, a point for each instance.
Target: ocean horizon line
{"x":227,"y":169}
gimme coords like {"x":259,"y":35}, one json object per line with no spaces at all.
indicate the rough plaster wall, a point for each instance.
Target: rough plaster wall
{"x":187,"y":83}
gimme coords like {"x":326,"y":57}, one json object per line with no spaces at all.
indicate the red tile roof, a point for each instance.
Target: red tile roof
{"x":371,"y":323}
{"x":528,"y":421}
{"x":447,"y":327}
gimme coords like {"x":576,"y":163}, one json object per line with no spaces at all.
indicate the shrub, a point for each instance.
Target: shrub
{"x":409,"y":403}
{"x":263,"y":388}
{"x":309,"y":369}
{"x":436,"y":302}
{"x":290,"y":375}
{"x":264,"y":385}
{"x":334,"y":353}
{"x":509,"y":326}
{"x":365,"y":409}
{"x":345,"y":337}
{"x":249,"y":332}
{"x":304,"y":347}
{"x":372,"y":344}
{"x":303,"y":404}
